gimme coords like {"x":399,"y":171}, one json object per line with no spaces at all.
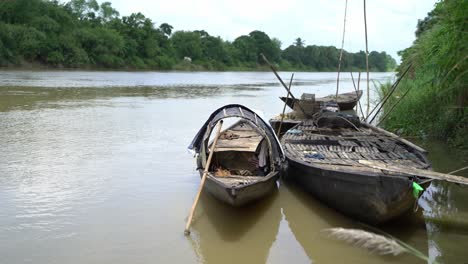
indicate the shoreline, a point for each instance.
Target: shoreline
{"x":92,"y":69}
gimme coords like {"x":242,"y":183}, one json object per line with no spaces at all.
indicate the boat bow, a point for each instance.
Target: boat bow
{"x":239,"y":111}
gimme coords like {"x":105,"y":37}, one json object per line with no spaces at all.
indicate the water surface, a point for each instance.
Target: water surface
{"x":94,"y":169}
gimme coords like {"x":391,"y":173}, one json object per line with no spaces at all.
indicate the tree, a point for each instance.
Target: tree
{"x":84,"y":8}
{"x":108,"y":13}
{"x":299,"y":42}
{"x":245,"y":49}
{"x":187,"y":44}
{"x":293,"y":54}
{"x":166,"y":29}
{"x":265,"y":45}
{"x":82,"y":33}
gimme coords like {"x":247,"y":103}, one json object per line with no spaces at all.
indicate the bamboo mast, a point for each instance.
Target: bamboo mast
{"x":367,"y":60}
{"x":341,"y":52}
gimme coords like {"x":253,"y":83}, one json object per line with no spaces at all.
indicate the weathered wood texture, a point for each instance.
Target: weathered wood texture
{"x":346,"y":146}
{"x":327,"y":162}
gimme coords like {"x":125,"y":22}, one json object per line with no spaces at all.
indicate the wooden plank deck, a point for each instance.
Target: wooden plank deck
{"x":346,"y":146}
{"x":239,"y":138}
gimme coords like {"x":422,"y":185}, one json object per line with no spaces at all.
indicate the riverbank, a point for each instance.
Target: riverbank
{"x":182,"y":66}
{"x":435,"y":88}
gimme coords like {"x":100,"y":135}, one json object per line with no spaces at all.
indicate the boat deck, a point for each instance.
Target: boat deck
{"x":347,"y":146}
{"x":238,"y":140}
{"x":238,"y":180}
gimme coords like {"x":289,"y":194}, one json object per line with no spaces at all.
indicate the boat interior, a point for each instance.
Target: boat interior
{"x":334,"y":144}
{"x":241,"y":155}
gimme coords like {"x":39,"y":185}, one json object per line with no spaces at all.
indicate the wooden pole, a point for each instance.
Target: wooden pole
{"x":202,"y":183}
{"x":341,"y":52}
{"x":391,"y":108}
{"x":284,"y":107}
{"x":284,"y":85}
{"x":461,"y":169}
{"x":358,"y":88}
{"x":380,"y":104}
{"x":413,"y":171}
{"x":357,"y":92}
{"x":367,"y":60}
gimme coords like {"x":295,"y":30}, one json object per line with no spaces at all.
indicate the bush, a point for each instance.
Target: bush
{"x":437,"y":103}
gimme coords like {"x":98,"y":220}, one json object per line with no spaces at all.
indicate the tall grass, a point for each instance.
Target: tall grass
{"x":437,"y":103}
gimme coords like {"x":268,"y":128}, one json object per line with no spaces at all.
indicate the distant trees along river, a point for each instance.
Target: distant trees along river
{"x":84,"y":34}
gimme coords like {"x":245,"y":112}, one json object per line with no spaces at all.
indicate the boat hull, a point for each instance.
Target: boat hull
{"x":238,"y":196}
{"x":373,"y":199}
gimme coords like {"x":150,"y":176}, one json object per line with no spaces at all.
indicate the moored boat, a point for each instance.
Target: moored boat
{"x":308,"y":105}
{"x":332,"y":157}
{"x":345,"y":101}
{"x":247,"y":159}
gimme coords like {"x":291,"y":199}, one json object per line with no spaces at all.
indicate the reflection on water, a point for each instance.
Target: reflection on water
{"x":223,"y":234}
{"x":445,"y":208}
{"x":94,"y":169}
{"x":446,"y":216}
{"x":307,"y":217}
{"x":33,"y":97}
{"x":140,"y":79}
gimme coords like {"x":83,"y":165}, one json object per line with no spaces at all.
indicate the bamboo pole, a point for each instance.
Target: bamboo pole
{"x":358,"y":87}
{"x":359,"y":80}
{"x":202,"y":183}
{"x":341,"y":52}
{"x":413,"y":171}
{"x":367,"y":60}
{"x":357,"y":92}
{"x":284,"y":107}
{"x":461,"y":169}
{"x":284,"y":85}
{"x":391,"y":108}
{"x":380,"y":104}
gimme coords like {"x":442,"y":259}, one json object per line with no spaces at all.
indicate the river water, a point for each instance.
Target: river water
{"x":94,"y":169}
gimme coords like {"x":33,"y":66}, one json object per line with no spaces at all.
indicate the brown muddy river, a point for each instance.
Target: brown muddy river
{"x":94,"y":169}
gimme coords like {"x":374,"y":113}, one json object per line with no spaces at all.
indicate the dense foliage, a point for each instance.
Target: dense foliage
{"x":84,"y":33}
{"x":436,"y":103}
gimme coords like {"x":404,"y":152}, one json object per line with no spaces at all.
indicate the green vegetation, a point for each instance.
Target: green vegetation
{"x":86,"y":34}
{"x":436,"y":105}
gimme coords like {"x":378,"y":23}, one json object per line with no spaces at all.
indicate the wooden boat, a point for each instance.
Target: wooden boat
{"x":346,"y":101}
{"x":329,"y":156}
{"x":312,"y":105}
{"x":247,"y":159}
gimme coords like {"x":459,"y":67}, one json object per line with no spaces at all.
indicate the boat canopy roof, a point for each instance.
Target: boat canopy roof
{"x":239,"y":111}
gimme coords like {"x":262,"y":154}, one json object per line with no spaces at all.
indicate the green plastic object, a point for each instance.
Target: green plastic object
{"x":417,"y":189}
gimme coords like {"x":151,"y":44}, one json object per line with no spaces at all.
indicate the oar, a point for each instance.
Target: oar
{"x":202,"y":183}
{"x":413,"y":171}
{"x":284,"y":107}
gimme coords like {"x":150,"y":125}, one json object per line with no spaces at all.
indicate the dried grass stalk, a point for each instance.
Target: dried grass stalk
{"x":375,"y":243}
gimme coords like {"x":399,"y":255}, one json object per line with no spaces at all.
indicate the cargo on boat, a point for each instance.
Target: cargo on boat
{"x":345,"y":101}
{"x":308,"y":105}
